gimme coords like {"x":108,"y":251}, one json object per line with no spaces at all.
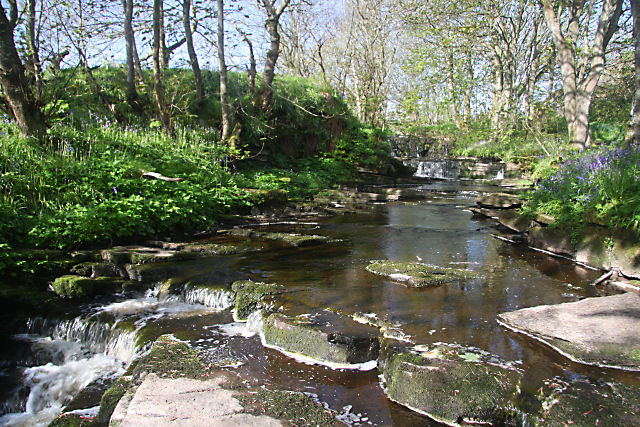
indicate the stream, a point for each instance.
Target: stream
{"x":50,"y":360}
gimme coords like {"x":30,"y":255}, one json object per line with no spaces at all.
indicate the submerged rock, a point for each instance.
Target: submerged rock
{"x":499,"y":201}
{"x":452,"y":384}
{"x":601,"y":331}
{"x":291,"y":239}
{"x":418,"y":275}
{"x":324,"y":337}
{"x":584,"y":403}
{"x":250,"y":296}
{"x":72,"y":286}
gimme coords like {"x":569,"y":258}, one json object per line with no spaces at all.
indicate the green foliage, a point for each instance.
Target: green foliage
{"x":600,"y":185}
{"x":305,"y":177}
{"x":84,"y":186}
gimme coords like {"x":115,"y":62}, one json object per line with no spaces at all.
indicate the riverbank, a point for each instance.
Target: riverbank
{"x":616,"y":251}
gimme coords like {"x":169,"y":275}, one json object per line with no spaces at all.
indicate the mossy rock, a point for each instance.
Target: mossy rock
{"x":323,"y":340}
{"x":72,"y":286}
{"x":291,"y":239}
{"x":71,"y":420}
{"x":212,"y":248}
{"x":250,"y":296}
{"x":96,"y":269}
{"x":418,"y":275}
{"x":297,"y":408}
{"x":583,"y":403}
{"x":153,"y":272}
{"x":110,"y":399}
{"x":452,"y":384}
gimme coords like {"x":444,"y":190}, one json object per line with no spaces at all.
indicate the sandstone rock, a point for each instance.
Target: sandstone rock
{"x":452,"y":384}
{"x":601,"y":331}
{"x":325,"y":337}
{"x":584,"y":403}
{"x":292,"y":239}
{"x":250,"y":296}
{"x":418,"y":275}
{"x":499,"y":201}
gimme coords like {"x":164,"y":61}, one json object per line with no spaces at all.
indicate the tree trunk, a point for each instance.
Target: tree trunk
{"x":32,"y":46}
{"x":252,"y":68}
{"x":163,"y":112}
{"x":578,"y":87}
{"x":136,"y":62}
{"x":270,"y":65}
{"x":224,"y":99}
{"x":15,"y":86}
{"x":132,"y":94}
{"x":633,"y":134}
{"x":271,"y":24}
{"x":193,"y":58}
{"x":453,"y":99}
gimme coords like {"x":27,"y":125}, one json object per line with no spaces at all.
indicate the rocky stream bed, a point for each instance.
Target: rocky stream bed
{"x":406,"y":308}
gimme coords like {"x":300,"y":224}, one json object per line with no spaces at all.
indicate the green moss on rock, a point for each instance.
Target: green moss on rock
{"x":452,"y":384}
{"x":417,"y":274}
{"x":72,"y":286}
{"x":291,"y":239}
{"x":297,"y":408}
{"x":583,"y":403}
{"x":110,"y":399}
{"x":170,"y":358}
{"x":71,"y":420}
{"x":250,"y":296}
{"x":313,"y":338}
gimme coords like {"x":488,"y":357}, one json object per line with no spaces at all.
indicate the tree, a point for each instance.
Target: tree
{"x":163,"y":112}
{"x":193,"y":58}
{"x":274,"y":12}
{"x":132,"y":94}
{"x":13,"y":80}
{"x":581,"y":64}
{"x":633,"y":135}
{"x":224,"y":99}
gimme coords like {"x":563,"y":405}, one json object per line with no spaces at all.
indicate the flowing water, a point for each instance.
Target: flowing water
{"x":50,"y":360}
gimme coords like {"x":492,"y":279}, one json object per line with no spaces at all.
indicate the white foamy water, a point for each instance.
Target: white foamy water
{"x":219,"y":299}
{"x":51,"y":386}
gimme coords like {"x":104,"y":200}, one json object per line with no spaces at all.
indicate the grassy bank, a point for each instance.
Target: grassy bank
{"x":87,"y":185}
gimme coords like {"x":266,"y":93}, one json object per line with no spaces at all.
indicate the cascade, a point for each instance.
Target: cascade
{"x":438,"y":169}
{"x":219,"y":299}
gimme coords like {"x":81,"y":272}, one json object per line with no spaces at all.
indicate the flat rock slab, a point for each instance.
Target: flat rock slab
{"x":290,"y":239}
{"x":499,"y":200}
{"x":452,"y":384}
{"x":178,"y":402}
{"x":601,"y":331}
{"x":418,"y":275}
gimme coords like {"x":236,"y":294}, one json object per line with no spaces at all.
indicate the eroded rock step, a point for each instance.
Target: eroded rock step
{"x":325,"y":337}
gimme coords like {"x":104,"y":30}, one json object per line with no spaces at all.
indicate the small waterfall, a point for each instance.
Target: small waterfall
{"x":78,"y":351}
{"x":438,"y":169}
{"x":219,"y":299}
